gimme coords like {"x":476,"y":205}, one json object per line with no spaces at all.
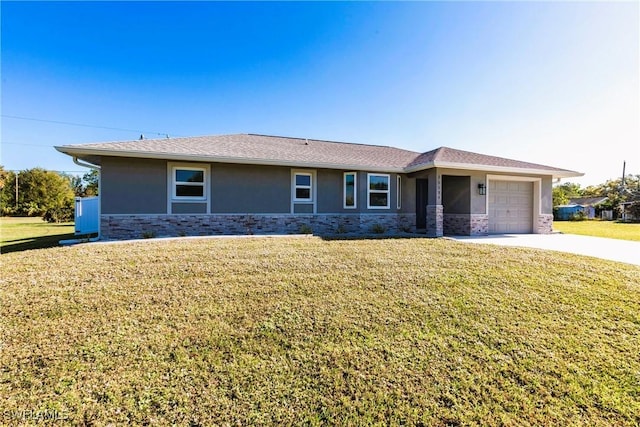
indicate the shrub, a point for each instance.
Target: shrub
{"x":406,"y":229}
{"x":59,"y":214}
{"x":306,"y":229}
{"x":578,"y":216}
{"x":378,"y":228}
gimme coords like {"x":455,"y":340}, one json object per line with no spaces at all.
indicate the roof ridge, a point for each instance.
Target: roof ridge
{"x":329,"y":141}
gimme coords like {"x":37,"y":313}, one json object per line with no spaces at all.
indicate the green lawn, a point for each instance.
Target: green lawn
{"x":287,"y":331}
{"x":19,"y":234}
{"x":610,"y":229}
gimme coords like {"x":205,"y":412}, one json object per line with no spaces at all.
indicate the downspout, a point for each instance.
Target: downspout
{"x":97,"y":168}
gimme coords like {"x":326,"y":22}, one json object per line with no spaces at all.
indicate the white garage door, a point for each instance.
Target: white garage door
{"x":510,"y":207}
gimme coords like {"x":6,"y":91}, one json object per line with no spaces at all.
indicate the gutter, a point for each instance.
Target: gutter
{"x":98,"y":237}
{"x":556,"y":173}
{"x":71,"y":151}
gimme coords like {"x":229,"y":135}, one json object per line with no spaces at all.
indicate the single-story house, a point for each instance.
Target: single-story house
{"x":247,"y":183}
{"x":579,"y":206}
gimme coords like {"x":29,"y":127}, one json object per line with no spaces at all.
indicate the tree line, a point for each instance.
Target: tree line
{"x":45,"y":193}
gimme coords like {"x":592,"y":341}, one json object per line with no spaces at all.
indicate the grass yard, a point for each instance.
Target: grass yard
{"x":309,"y":331}
{"x":19,"y":234}
{"x":609,"y":229}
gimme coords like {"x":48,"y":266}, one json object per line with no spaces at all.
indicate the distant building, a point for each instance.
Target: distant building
{"x":579,"y":206}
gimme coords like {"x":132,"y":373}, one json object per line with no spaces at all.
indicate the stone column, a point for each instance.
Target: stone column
{"x":545,"y":224}
{"x":435,"y":219}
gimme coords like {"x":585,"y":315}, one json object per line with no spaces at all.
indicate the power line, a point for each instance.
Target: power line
{"x":48,"y":170}
{"x":25,"y":143}
{"x":82,"y":125}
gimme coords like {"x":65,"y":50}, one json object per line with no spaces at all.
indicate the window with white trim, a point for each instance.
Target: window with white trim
{"x":303,"y":187}
{"x":399,"y":192}
{"x":349,"y":195}
{"x":378,"y":191}
{"x":189,"y":183}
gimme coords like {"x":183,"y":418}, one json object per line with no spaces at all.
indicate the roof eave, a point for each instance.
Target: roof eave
{"x":556,"y":173}
{"x":78,"y":152}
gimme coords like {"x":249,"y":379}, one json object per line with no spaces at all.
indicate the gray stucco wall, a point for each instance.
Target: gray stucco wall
{"x":330,"y":191}
{"x":139,"y":186}
{"x":408,"y":194}
{"x":303,"y":208}
{"x":133,"y":186}
{"x":187,"y":208}
{"x":546,"y":195}
{"x":250,"y":189}
{"x":478,"y":201}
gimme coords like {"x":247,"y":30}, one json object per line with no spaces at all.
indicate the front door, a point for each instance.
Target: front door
{"x":421,"y":203}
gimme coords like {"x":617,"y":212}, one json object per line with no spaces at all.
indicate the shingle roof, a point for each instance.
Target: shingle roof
{"x":444,"y":155}
{"x":265,"y":149}
{"x":586,"y":201}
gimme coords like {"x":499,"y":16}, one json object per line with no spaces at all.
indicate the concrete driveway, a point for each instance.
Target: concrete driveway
{"x":611,"y":249}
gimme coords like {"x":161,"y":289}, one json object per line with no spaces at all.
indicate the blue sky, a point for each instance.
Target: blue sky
{"x":556,"y":83}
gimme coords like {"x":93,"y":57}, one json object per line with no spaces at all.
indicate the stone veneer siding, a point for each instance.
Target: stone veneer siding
{"x":456,"y":224}
{"x":545,"y":224}
{"x":136,"y":226}
{"x":435,"y":221}
{"x":479,"y":224}
{"x":466,"y":224}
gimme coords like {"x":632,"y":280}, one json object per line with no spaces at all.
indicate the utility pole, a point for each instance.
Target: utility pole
{"x":16,"y":191}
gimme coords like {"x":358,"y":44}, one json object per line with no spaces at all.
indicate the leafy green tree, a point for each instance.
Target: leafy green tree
{"x":562,"y":193}
{"x":559,"y":197}
{"x":90,"y":180}
{"x":7,"y":191}
{"x":85,"y":185}
{"x":41,"y":191}
{"x":76,"y":184}
{"x":3,"y":176}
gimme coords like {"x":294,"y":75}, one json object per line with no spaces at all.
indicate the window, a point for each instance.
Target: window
{"x":302,"y":187}
{"x":350,"y":189}
{"x":378,"y":191}
{"x":399,"y":193}
{"x":189,"y":183}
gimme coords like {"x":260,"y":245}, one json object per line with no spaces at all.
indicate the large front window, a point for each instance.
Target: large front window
{"x":378,"y":191}
{"x":189,"y":183}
